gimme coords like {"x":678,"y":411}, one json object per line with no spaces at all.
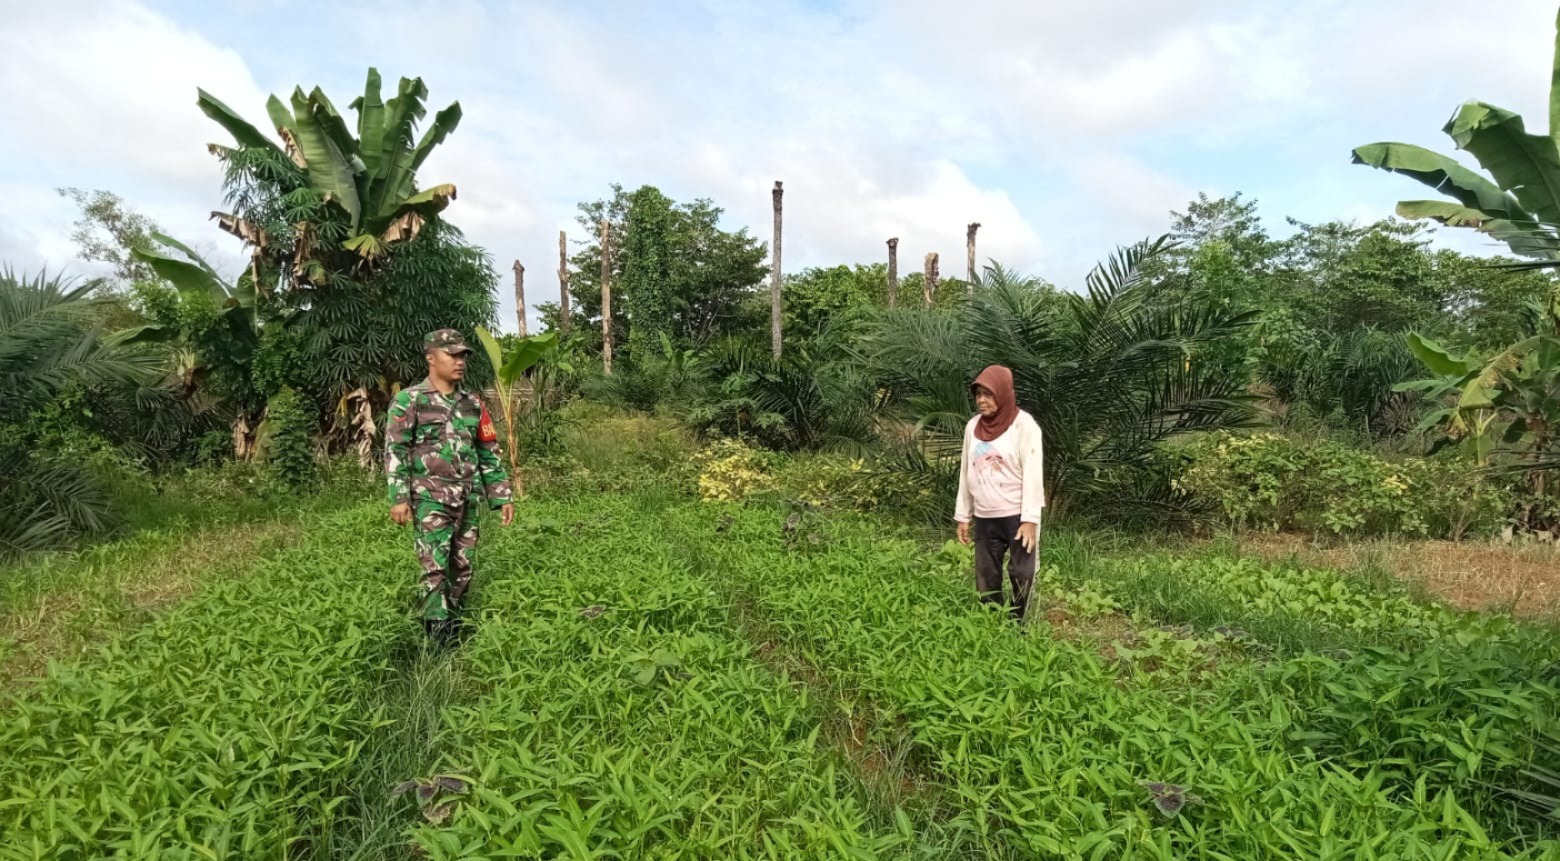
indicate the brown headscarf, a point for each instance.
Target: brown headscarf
{"x":999,"y":381}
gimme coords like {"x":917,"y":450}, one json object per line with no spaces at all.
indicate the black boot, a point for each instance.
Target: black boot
{"x":445,"y":632}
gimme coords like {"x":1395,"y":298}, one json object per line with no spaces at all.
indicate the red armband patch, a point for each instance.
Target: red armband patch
{"x":485,"y":430}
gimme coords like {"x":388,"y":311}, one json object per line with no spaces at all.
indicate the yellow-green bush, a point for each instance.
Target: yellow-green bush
{"x":1269,"y":481}
{"x":838,"y":481}
{"x":730,"y":469}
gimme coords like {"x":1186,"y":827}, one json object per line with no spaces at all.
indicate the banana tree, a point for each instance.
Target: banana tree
{"x":1467,"y":414}
{"x":1508,"y":403}
{"x":233,"y":342}
{"x":1519,"y":206}
{"x":508,"y":373}
{"x":370,"y":177}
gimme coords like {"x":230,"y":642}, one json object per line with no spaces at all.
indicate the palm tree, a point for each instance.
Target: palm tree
{"x":813,"y":397}
{"x":1109,"y":375}
{"x":49,"y":341}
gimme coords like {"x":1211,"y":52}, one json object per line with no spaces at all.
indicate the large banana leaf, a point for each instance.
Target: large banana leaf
{"x":280,"y":116}
{"x":1444,"y":175}
{"x":1449,"y":214}
{"x":395,"y":166}
{"x":151,"y":333}
{"x":1554,"y":89}
{"x":1480,"y":392}
{"x":525,"y":356}
{"x":189,"y":252}
{"x":495,"y":354}
{"x":1441,"y":361}
{"x":242,"y":132}
{"x":371,"y":127}
{"x":444,"y":122}
{"x":1524,"y":241}
{"x":335,"y":127}
{"x":420,"y":206}
{"x":183,"y":275}
{"x":1527,"y":164}
{"x":329,"y":170}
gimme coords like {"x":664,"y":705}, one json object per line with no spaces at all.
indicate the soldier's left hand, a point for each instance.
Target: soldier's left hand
{"x":507,"y":513}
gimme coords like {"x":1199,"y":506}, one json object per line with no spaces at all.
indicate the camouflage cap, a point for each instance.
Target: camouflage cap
{"x":448,"y":340}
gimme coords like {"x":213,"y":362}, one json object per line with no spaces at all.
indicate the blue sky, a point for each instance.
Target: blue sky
{"x":1065,"y":128}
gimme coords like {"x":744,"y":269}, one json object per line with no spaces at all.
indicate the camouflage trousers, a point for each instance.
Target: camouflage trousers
{"x":446,"y":534}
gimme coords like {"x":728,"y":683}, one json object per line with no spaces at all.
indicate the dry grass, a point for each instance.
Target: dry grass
{"x":1522,"y":579}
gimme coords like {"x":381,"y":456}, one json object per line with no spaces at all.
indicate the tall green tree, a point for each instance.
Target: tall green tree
{"x":814,"y":297}
{"x":1342,"y":276}
{"x":700,"y":277}
{"x":648,"y":286}
{"x":367,"y":180}
{"x":106,"y":232}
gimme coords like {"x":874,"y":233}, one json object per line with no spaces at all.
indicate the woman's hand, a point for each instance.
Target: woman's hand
{"x":1028,"y":535}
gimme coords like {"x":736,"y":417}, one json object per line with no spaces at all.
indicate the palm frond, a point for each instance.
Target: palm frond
{"x":1110,"y":376}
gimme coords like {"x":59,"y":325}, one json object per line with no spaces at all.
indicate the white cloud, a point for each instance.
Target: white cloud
{"x":110,"y":88}
{"x":1131,"y":189}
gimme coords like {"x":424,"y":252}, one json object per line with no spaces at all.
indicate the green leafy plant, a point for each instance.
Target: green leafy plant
{"x":228,"y":726}
{"x":1272,"y":482}
{"x":1506,"y":405}
{"x":51,"y":352}
{"x":287,"y":441}
{"x":513,"y":401}
{"x":728,"y":470}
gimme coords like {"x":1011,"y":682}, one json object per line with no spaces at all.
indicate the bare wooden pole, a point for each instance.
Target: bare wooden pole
{"x":774,"y":274}
{"x":520,"y":295}
{"x":893,"y":271}
{"x":929,"y":278}
{"x":969,"y":251}
{"x":606,"y":296}
{"x":563,"y":284}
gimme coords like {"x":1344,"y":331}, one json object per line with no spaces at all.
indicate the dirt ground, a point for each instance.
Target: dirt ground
{"x":1473,"y":575}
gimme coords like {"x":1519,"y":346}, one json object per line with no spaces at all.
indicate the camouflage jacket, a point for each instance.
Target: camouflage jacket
{"x":441,"y":448}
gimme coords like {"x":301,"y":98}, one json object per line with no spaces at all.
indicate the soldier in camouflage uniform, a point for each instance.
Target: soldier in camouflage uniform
{"x":441,"y":451}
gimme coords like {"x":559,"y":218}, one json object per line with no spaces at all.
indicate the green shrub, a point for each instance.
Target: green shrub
{"x":1457,"y":500}
{"x":1269,"y":481}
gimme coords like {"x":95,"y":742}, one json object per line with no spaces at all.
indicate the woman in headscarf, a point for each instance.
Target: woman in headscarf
{"x":1001,"y":489}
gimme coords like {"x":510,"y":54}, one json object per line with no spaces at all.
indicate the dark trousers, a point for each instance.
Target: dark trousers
{"x":995,"y":539}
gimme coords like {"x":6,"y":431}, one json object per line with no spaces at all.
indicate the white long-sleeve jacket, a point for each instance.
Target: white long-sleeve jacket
{"x":1005,"y":476}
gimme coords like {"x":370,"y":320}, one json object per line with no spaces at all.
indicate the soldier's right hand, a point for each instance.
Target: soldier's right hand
{"x":401,"y":514}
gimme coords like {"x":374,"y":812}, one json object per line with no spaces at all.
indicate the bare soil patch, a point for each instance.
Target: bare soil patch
{"x":1471,"y":575}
